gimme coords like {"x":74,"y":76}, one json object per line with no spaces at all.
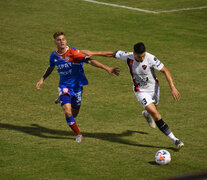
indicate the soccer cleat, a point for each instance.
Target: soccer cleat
{"x":79,"y":138}
{"x":57,"y":100}
{"x":150,"y":121}
{"x":179,"y":144}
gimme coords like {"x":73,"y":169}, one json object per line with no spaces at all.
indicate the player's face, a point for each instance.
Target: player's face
{"x":139,"y":57}
{"x":61,"y":42}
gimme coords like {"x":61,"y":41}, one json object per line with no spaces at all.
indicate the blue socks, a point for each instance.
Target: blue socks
{"x":70,"y":120}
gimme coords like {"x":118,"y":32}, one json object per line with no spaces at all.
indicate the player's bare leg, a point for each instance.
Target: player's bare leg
{"x":152,"y":110}
{"x":75,"y":112}
{"x":71,"y":121}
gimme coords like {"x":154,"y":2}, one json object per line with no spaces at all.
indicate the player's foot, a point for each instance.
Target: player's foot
{"x":179,"y":144}
{"x":79,"y":138}
{"x":150,"y":121}
{"x":57,"y":100}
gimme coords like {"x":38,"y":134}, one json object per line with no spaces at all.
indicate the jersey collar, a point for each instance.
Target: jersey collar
{"x":62,"y":53}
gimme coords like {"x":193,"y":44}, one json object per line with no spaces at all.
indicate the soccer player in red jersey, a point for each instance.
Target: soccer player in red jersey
{"x":69,"y":64}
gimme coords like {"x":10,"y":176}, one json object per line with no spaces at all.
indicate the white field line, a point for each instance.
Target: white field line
{"x":126,"y":7}
{"x":183,"y":9}
{"x":144,"y":10}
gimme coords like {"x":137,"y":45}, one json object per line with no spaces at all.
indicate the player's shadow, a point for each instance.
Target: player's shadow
{"x":43,"y":132}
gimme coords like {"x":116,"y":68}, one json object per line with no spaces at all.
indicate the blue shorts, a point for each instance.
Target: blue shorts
{"x":75,"y":95}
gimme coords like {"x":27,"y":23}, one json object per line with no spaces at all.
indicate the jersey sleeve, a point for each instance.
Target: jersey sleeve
{"x":122,"y":55}
{"x":156,"y":63}
{"x":52,"y":63}
{"x":79,"y":56}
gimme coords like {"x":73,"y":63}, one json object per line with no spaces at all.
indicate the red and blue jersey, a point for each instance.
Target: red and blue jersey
{"x":70,"y":67}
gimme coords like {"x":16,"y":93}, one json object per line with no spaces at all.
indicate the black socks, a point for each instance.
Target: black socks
{"x":163,"y":127}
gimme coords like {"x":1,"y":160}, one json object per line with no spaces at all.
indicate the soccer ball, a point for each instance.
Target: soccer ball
{"x":162,"y":157}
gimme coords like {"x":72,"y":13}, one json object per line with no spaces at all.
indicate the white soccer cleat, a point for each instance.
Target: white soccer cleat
{"x":179,"y":144}
{"x":150,"y":121}
{"x":79,"y":138}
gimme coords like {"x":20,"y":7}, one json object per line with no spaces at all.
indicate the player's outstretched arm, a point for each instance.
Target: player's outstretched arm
{"x":110,"y":70}
{"x":98,"y":53}
{"x":46,"y":74}
{"x":175,"y":93}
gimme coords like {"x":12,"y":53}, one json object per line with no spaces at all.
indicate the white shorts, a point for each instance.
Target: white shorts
{"x":146,"y":98}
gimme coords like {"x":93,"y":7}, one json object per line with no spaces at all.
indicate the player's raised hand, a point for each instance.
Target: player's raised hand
{"x":39,"y":83}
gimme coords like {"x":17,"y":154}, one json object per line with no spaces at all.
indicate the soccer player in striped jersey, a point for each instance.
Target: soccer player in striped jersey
{"x":69,"y":64}
{"x":141,"y":65}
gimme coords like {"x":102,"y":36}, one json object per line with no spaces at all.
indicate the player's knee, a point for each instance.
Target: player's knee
{"x":68,"y":112}
{"x":156,"y":116}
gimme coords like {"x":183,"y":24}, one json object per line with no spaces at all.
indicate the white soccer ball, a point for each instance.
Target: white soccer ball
{"x":162,"y":157}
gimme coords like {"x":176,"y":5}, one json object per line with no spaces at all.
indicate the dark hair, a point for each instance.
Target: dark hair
{"x":58,"y":33}
{"x":139,"y":48}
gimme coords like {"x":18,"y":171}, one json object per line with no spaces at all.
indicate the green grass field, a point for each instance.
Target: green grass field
{"x":35,"y":142}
